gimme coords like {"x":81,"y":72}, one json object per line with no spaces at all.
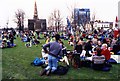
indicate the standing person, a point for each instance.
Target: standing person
{"x":55,"y":49}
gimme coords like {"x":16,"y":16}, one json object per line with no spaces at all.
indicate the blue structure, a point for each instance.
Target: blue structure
{"x":81,"y":16}
{"x":69,"y":27}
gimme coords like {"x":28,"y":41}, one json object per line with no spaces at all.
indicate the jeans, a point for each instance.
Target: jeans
{"x":52,"y":63}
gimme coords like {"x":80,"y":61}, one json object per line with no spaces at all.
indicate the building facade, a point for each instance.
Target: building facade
{"x":81,"y":16}
{"x":104,"y":25}
{"x":37,"y":24}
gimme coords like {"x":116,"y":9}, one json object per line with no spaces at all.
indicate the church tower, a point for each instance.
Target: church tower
{"x":36,"y":24}
{"x":35,"y":17}
{"x":35,"y":11}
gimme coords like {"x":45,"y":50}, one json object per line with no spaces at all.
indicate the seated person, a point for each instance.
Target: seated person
{"x":2,"y":44}
{"x":45,"y":56}
{"x":71,"y":42}
{"x":64,"y":51}
{"x":78,"y":47}
{"x":105,"y":52}
{"x":8,"y":43}
{"x":76,"y":55}
{"x":88,"y":48}
{"x":98,"y":60}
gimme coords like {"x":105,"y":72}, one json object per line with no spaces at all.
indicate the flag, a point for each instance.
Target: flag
{"x":71,"y":30}
{"x":116,"y":32}
{"x":116,"y":22}
{"x":116,"y":19}
{"x":68,"y":24}
{"x":93,"y":18}
{"x":69,"y":27}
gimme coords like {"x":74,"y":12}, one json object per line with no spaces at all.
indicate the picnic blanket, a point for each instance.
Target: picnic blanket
{"x":116,"y":58}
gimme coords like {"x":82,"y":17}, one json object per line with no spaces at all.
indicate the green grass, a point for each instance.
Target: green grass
{"x":16,"y":65}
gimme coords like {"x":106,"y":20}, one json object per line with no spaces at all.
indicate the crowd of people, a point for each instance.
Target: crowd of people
{"x":89,"y":41}
{"x":85,"y":43}
{"x":97,"y":44}
{"x":7,"y":39}
{"x":30,"y":37}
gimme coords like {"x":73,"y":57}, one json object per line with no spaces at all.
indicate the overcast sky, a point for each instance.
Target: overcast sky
{"x":105,"y":10}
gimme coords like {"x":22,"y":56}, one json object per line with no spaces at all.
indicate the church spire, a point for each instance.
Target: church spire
{"x":35,"y":11}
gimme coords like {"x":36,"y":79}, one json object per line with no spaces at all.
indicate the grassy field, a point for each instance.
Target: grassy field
{"x":16,"y":65}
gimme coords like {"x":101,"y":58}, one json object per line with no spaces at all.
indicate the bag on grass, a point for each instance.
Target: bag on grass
{"x":38,"y":61}
{"x":112,"y":61}
{"x":61,"y":70}
{"x":101,"y":67}
{"x":98,"y":67}
{"x":106,"y":69}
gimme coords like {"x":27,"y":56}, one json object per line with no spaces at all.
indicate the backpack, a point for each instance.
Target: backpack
{"x":105,"y":69}
{"x":61,"y":70}
{"x":38,"y":61}
{"x":112,"y":61}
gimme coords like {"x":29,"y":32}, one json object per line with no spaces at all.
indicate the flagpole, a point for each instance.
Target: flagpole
{"x":74,"y":29}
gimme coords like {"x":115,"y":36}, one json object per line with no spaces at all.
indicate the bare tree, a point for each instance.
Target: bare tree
{"x":55,"y":19}
{"x":51,"y":22}
{"x":71,"y":16}
{"x":19,"y":19}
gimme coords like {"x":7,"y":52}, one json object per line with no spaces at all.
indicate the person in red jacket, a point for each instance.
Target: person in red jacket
{"x":105,"y":52}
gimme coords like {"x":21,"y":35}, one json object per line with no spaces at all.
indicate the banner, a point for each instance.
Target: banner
{"x":69,"y":27}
